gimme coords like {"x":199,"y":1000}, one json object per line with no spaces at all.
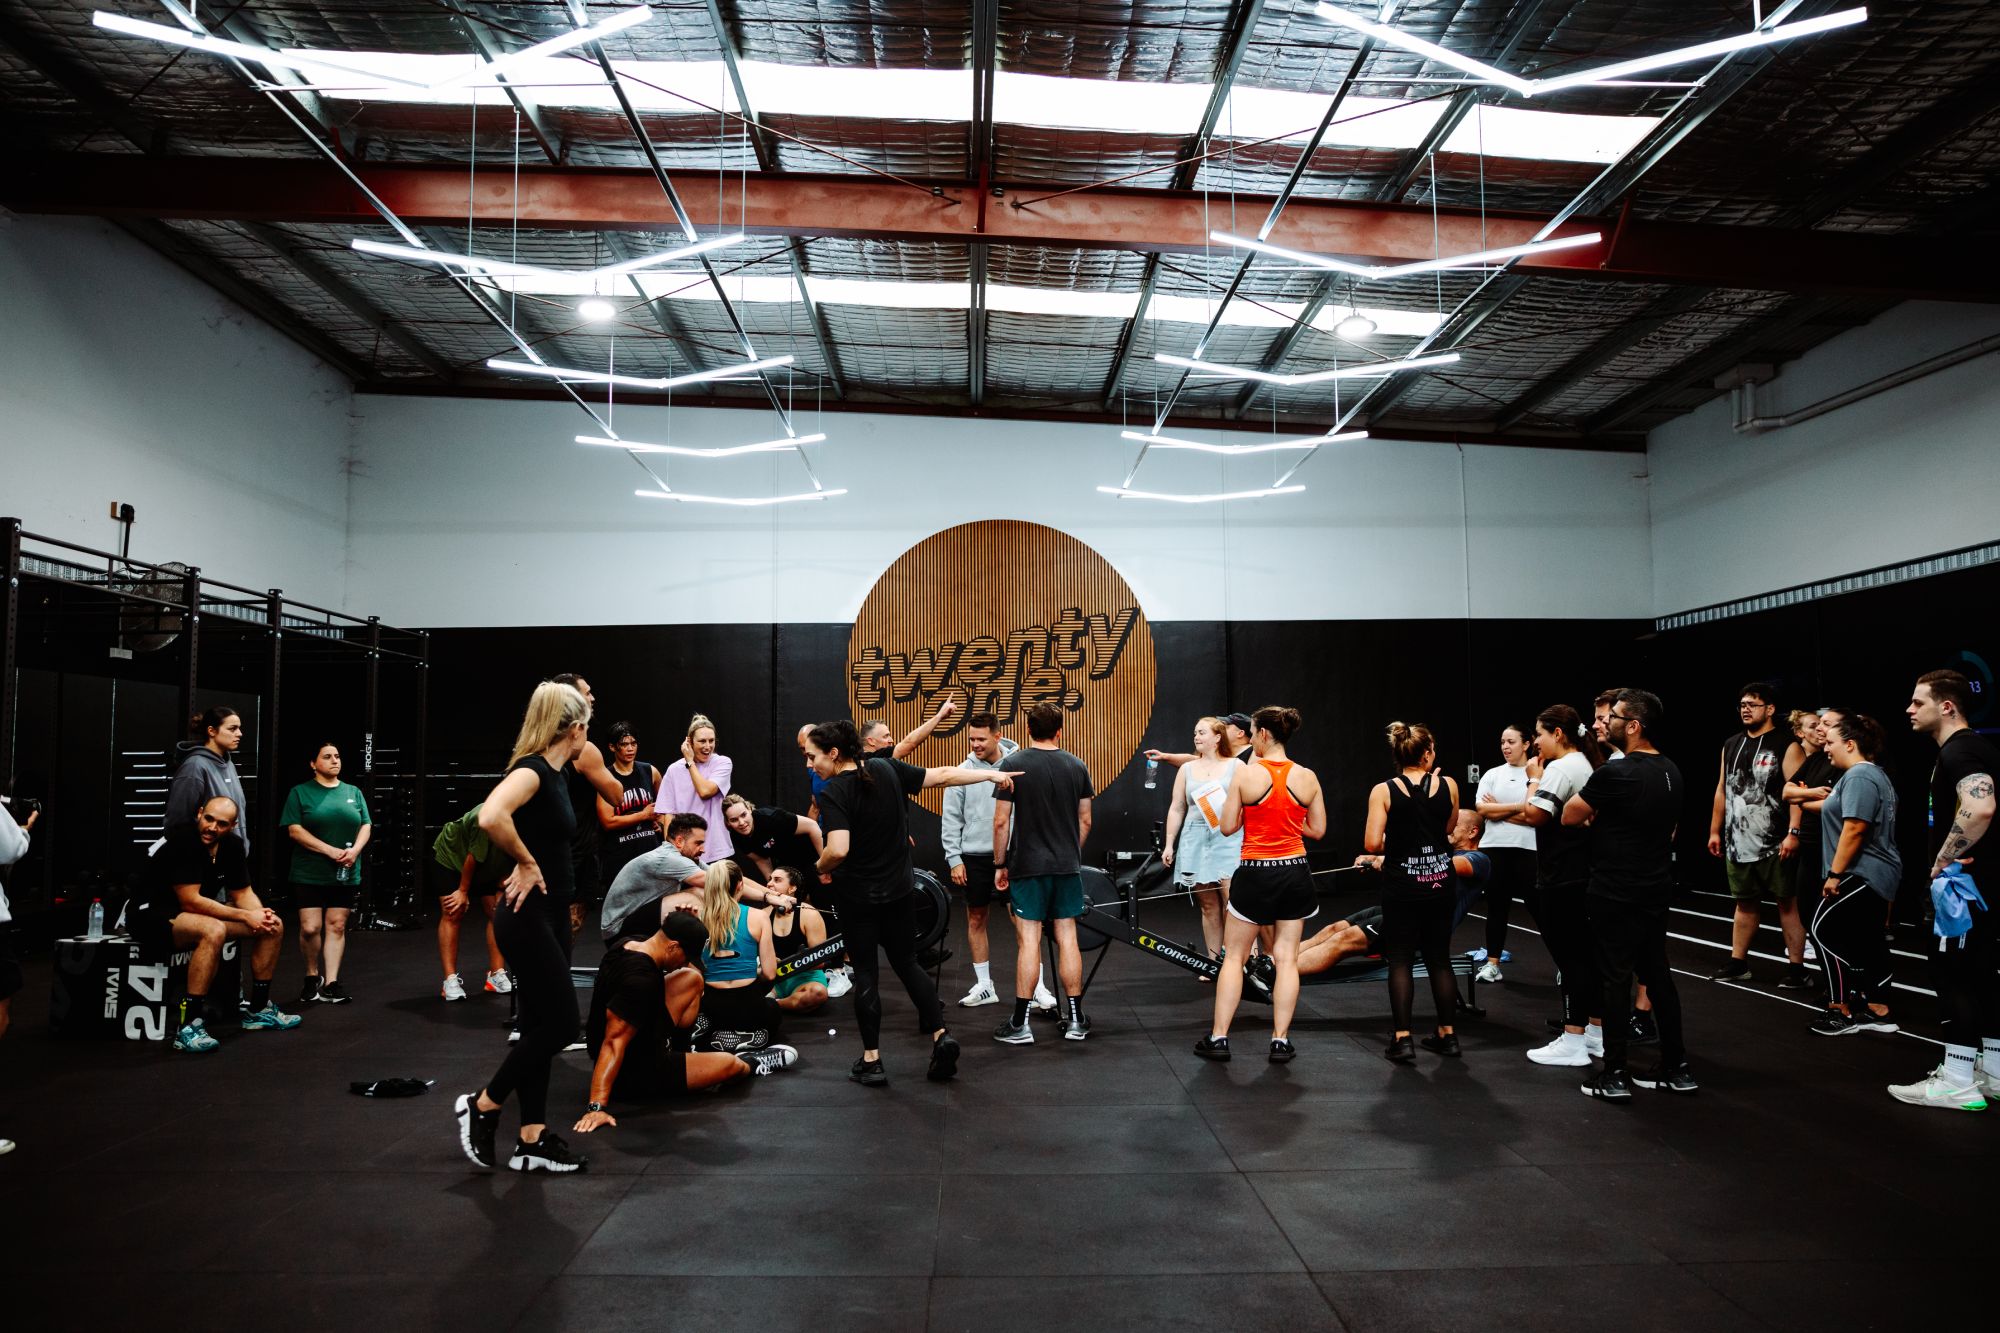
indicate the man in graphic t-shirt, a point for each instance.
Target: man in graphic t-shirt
{"x":1748,"y":830}
{"x":1038,"y":833}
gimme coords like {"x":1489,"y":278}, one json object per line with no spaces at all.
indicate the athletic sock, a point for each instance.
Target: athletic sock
{"x":983,"y":974}
{"x":193,"y":1009}
{"x":260,"y":993}
{"x":1959,"y":1063}
{"x":1989,"y":1055}
{"x":1074,"y":1003}
{"x":1020,"y":1011}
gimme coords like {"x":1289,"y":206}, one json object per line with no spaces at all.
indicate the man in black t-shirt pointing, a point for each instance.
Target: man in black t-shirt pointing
{"x":181,"y":905}
{"x":1633,"y":807}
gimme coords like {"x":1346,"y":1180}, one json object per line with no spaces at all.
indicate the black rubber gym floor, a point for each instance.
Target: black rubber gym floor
{"x":1119,"y":1183}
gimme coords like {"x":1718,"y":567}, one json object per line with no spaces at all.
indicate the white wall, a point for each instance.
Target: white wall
{"x":123,"y":378}
{"x":473,"y":512}
{"x":1905,"y":474}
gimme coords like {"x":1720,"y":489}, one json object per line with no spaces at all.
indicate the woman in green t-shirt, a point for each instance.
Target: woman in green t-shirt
{"x":327,"y":820}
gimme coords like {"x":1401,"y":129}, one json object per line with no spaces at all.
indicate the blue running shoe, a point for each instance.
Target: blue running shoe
{"x":194,"y":1037}
{"x":271,"y":1017}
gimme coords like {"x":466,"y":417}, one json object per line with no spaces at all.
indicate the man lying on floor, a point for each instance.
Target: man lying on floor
{"x":642,"y":1015}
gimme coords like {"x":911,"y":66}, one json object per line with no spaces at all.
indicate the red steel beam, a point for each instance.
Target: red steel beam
{"x":588,"y":199}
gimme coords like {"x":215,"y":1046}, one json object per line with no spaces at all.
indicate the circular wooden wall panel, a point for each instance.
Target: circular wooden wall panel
{"x":1000,"y":615}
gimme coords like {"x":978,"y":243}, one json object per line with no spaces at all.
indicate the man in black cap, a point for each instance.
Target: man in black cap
{"x":642,"y":1014}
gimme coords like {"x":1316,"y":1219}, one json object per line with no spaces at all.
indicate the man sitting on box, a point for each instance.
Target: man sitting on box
{"x":180,"y":905}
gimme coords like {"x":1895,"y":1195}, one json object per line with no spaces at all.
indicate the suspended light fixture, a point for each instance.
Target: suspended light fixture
{"x":1124,"y":493}
{"x":689,"y":451}
{"x":596,"y":310}
{"x":333,"y":61}
{"x":1366,"y":370}
{"x":1267,"y":447}
{"x":507,"y":268}
{"x":1356,"y":325}
{"x":1376,"y":272}
{"x":744,"y":502}
{"x":1783,"y":32}
{"x":635,"y":381}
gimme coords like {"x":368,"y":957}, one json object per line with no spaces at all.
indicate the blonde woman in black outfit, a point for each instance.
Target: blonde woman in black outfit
{"x":529,"y":819}
{"x":1409,"y":826}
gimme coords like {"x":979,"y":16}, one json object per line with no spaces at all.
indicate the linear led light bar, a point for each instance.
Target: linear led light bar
{"x":1268,"y":447}
{"x":1124,"y":493}
{"x":686,"y":451}
{"x":744,"y":502}
{"x":1367,"y":370}
{"x":506,"y":268}
{"x":352,"y":72}
{"x":1376,"y":272}
{"x":635,"y":381}
{"x":1783,"y":32}
{"x":220,"y":46}
{"x":619,"y":22}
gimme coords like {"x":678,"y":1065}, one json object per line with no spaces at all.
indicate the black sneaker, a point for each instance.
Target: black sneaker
{"x":1677,"y":1079}
{"x":308,"y":990}
{"x":1009,"y":1035}
{"x":1867,"y":1020}
{"x":1444,"y":1043}
{"x":334,"y":993}
{"x":944,"y":1058}
{"x":1214,"y":1048}
{"x":1612,"y":1086}
{"x":1736,"y":969}
{"x":1401,"y":1051}
{"x":1797,"y":978}
{"x":698,"y":1034}
{"x":1643,"y":1031}
{"x":1282,"y":1051}
{"x":476,"y":1129}
{"x":1833,"y":1023}
{"x":548,"y":1153}
{"x":869,"y":1074}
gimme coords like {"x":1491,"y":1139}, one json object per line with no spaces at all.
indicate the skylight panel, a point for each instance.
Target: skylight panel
{"x":1547,"y":136}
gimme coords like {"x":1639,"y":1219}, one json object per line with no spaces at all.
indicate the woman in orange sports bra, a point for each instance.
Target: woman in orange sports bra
{"x":1278,"y":805}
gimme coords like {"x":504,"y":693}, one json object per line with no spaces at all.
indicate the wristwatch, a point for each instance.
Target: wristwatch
{"x":596,"y":1106}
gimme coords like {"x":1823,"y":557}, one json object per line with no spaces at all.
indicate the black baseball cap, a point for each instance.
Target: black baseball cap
{"x":686,"y":930}
{"x":1241,"y":720}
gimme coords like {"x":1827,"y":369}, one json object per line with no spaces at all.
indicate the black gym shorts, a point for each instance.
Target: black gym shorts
{"x":324,"y":896}
{"x":1267,"y":892}
{"x":979,"y":890}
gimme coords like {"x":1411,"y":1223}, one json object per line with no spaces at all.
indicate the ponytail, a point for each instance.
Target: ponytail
{"x":211,"y":719}
{"x":839,"y":737}
{"x":1562,"y":720}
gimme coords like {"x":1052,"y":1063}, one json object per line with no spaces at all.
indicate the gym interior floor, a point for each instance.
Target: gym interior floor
{"x":1113,"y":1184}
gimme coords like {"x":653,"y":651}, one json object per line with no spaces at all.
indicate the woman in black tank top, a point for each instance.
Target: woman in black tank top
{"x":529,"y":818}
{"x":1409,"y":826}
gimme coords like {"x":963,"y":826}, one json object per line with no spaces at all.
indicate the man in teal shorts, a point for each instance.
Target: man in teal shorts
{"x":1040,"y":867}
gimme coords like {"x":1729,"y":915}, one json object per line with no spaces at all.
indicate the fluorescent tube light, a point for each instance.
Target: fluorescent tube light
{"x":1783,"y":32}
{"x":751,"y":502}
{"x":1124,"y":493}
{"x":220,"y":46}
{"x":766,"y":447}
{"x":1374,"y":272}
{"x":635,"y":381}
{"x":1367,"y":370}
{"x":619,"y":22}
{"x":1268,"y":447}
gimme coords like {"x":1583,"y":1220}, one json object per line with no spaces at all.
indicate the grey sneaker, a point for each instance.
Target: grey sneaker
{"x":1076,"y":1029}
{"x":1010,"y":1035}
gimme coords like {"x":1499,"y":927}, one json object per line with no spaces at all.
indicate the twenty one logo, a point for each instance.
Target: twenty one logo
{"x":999,"y":616}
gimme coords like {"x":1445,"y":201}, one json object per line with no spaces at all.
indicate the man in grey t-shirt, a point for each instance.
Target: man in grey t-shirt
{"x":1048,"y":818}
{"x":669,"y":868}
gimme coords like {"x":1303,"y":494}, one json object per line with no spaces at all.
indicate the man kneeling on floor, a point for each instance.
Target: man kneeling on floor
{"x":642,"y":1016}
{"x":179,"y":906}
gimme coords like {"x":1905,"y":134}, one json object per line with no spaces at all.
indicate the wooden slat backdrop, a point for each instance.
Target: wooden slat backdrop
{"x":994,"y":578}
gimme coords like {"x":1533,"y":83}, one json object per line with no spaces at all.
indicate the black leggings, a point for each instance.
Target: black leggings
{"x":1968,"y":990}
{"x":741,"y":1008}
{"x":1413,"y":926}
{"x":1563,"y":914}
{"x":893,"y":928}
{"x":1632,"y":940}
{"x":1513,"y":875}
{"x":536,"y":943}
{"x":1847,"y":931}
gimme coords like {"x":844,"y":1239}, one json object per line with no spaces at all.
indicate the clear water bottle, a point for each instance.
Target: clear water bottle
{"x":344,"y":874}
{"x":1152,"y":774}
{"x":97,"y":918}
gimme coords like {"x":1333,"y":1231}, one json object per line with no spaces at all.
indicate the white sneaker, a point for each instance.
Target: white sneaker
{"x":575,"y":1046}
{"x":838,"y":984}
{"x":1564,"y":1050}
{"x":453,"y":988}
{"x":1934,"y":1091}
{"x":1593,"y":1041}
{"x":982,"y":993}
{"x":6,"y":1146}
{"x":1489,"y":972}
{"x":499,"y":982}
{"x":1045,"y":1003}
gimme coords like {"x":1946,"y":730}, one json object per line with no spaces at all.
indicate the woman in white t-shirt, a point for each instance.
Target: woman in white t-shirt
{"x":1507,"y":840}
{"x":1569,"y":753}
{"x":1200,"y":855}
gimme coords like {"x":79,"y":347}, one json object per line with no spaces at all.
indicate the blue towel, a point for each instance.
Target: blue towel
{"x":1953,"y":896}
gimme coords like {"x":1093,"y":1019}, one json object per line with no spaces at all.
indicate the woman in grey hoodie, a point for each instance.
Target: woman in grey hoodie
{"x":207,"y":770}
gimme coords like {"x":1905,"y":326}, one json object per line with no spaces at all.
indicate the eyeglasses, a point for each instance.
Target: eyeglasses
{"x":1615,"y":715}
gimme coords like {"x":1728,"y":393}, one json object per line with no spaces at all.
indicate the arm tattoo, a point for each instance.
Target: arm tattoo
{"x":1960,"y":839}
{"x":1976,"y":787}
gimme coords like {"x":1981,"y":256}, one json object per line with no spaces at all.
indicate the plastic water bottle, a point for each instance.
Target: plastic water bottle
{"x":97,"y":918}
{"x":342,"y":874}
{"x":1152,"y":774}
